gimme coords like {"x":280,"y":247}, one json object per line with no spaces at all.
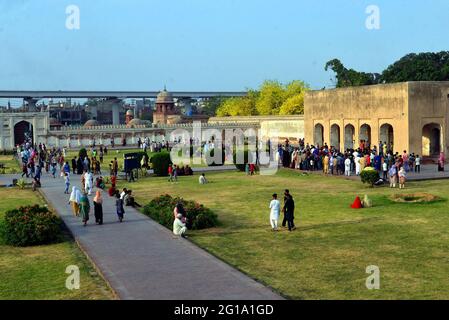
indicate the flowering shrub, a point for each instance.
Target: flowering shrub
{"x":160,"y":162}
{"x":31,"y":225}
{"x":198,"y":216}
{"x":369,"y":175}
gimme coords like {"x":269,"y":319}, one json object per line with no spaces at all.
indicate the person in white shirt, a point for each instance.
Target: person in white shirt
{"x":348,"y":167}
{"x":357,"y":165}
{"x":385,"y":170}
{"x":203,"y":179}
{"x":179,"y":228}
{"x":275,"y":207}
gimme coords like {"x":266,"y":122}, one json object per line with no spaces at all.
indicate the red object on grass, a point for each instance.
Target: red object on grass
{"x":357,"y":204}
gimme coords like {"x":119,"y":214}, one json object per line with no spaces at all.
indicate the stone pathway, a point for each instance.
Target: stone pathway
{"x":143,"y":260}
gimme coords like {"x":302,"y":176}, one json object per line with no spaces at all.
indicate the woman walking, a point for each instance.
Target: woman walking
{"x":75,"y":198}
{"x":119,"y":205}
{"x":84,"y":208}
{"x":98,"y":208}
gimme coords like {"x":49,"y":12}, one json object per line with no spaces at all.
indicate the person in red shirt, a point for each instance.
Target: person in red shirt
{"x":170,"y":173}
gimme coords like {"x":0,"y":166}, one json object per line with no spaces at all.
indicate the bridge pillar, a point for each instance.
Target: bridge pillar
{"x":115,"y":113}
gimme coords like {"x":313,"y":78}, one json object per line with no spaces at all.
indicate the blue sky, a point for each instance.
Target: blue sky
{"x":206,"y":44}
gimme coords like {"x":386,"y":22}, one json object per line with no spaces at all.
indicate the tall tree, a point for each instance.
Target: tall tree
{"x":426,"y":66}
{"x":350,"y":77}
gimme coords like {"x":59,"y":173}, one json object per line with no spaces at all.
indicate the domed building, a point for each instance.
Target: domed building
{"x":129,"y":116}
{"x":91,"y":123}
{"x":165,"y":109}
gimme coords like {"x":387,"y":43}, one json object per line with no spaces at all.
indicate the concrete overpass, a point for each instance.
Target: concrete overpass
{"x":38,"y":95}
{"x":113,"y":97}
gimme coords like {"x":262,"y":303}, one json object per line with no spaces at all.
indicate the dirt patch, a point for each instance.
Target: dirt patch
{"x":414,"y":198}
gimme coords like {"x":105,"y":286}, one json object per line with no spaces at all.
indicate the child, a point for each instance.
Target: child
{"x":418,"y":164}
{"x":402,"y":178}
{"x":67,"y":183}
{"x":247,"y":169}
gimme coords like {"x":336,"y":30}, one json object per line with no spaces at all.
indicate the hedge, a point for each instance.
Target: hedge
{"x":160,"y":162}
{"x":31,"y":225}
{"x":199,"y":217}
{"x":369,"y":175}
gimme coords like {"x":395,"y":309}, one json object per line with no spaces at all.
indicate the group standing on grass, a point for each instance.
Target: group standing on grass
{"x":288,"y":209}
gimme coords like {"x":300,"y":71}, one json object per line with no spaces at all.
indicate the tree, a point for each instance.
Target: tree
{"x":271,"y":98}
{"x":350,"y":77}
{"x":426,"y":66}
{"x":212,"y":104}
{"x":293,"y":105}
{"x":240,"y":106}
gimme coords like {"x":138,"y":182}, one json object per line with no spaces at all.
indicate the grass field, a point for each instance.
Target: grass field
{"x":11,"y":165}
{"x":327,"y":256}
{"x":39,"y":272}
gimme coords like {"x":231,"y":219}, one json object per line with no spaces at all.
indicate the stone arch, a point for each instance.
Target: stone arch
{"x":349,"y":136}
{"x":386,"y":135}
{"x":365,"y":134}
{"x":23,"y":132}
{"x":335,"y":136}
{"x":432,"y":140}
{"x":318,"y":135}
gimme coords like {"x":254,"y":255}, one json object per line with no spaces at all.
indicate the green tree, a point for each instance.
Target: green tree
{"x":293,"y":105}
{"x":211,"y":105}
{"x":271,"y":98}
{"x":350,"y":77}
{"x":427,"y":66}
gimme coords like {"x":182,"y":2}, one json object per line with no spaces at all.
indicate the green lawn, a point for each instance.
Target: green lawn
{"x":11,"y":164}
{"x":327,"y":256}
{"x":39,"y":272}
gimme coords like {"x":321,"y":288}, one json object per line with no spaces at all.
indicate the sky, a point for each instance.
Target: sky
{"x":206,"y":45}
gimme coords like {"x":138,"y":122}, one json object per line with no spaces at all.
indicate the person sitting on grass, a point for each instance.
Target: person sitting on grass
{"x":203,"y":179}
{"x":179,"y":209}
{"x":179,"y":227}
{"x":130,"y":200}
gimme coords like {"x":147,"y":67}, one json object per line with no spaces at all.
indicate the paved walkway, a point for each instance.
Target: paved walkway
{"x":143,"y":260}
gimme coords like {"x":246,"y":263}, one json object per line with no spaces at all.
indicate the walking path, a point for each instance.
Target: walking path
{"x":143,"y":260}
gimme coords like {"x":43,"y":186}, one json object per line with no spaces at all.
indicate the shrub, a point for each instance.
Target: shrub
{"x":82,"y":153}
{"x":160,"y":162}
{"x":369,"y":175}
{"x":31,"y":225}
{"x":198,"y":217}
{"x":21,"y":183}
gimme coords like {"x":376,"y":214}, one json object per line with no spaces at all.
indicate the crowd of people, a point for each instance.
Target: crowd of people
{"x":390,"y":165}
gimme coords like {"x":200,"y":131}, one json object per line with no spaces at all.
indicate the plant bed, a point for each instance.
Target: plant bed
{"x":415,"y":198}
{"x":31,"y":225}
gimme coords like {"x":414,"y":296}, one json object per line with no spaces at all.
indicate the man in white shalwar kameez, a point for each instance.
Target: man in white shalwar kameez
{"x":357,"y":165}
{"x":275,"y":207}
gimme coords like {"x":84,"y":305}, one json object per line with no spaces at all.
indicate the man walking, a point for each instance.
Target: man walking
{"x":288,"y":209}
